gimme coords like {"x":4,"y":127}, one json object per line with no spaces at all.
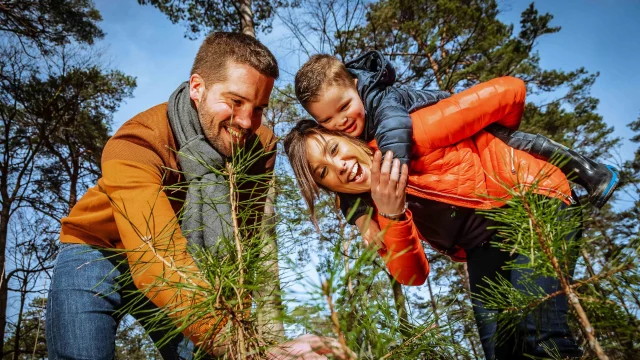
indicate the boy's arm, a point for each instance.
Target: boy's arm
{"x":393,"y":124}
{"x":462,"y":115}
{"x":423,"y":98}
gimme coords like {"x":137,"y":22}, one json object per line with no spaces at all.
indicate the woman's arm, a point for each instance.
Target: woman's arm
{"x":404,"y":254}
{"x":462,"y":115}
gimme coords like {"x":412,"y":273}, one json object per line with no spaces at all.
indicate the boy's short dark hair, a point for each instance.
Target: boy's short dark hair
{"x":219,"y":48}
{"x":319,"y":71}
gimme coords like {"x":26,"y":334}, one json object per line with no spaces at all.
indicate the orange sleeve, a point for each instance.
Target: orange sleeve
{"x":462,"y":115}
{"x":145,"y":219}
{"x":404,"y":255}
{"x":132,"y":176}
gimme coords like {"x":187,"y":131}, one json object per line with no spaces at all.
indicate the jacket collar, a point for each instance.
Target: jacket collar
{"x":372,"y":70}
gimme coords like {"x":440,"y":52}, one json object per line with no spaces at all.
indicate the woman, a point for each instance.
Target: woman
{"x":456,"y":168}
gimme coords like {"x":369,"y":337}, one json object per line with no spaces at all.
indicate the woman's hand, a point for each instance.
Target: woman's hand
{"x":310,"y":347}
{"x":388,"y":183}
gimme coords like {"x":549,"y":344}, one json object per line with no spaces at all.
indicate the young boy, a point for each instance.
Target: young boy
{"x":360,"y":98}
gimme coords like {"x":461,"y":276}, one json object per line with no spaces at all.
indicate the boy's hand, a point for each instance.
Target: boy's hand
{"x":371,"y":234}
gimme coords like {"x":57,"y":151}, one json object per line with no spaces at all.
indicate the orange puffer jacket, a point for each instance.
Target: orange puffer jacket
{"x":456,"y":162}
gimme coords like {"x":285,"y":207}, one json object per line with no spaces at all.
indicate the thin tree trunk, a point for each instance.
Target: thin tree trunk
{"x":246,"y":18}
{"x":574,"y":301}
{"x":434,"y":306}
{"x":401,"y":305}
{"x":17,"y":335}
{"x":73,"y":186}
{"x":473,"y":346}
{"x":270,"y":313}
{"x":4,"y":229}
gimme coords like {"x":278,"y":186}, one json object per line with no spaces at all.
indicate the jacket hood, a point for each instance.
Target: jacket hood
{"x":372,"y":69}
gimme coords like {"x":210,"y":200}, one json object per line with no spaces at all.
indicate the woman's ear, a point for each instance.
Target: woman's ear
{"x":196,"y":88}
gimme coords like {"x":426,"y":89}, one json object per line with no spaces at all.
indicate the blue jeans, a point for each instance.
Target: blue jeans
{"x":546,"y":326}
{"x":84,"y":303}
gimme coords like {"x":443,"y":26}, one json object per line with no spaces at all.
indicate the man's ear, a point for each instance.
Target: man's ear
{"x":196,"y":88}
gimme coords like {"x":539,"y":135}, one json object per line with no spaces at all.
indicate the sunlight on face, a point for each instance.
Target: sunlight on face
{"x":230,"y":111}
{"x":338,"y":164}
{"x":339,"y":108}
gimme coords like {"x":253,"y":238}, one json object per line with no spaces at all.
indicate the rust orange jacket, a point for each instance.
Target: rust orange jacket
{"x":136,"y":201}
{"x":455,"y":162}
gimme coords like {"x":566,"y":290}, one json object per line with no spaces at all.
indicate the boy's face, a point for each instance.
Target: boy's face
{"x":339,"y":108}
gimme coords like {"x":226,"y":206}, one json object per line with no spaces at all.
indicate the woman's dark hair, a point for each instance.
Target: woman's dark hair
{"x":295,"y":146}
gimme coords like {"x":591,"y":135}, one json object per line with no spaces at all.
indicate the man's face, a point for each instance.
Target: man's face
{"x":231,"y":111}
{"x":339,"y":108}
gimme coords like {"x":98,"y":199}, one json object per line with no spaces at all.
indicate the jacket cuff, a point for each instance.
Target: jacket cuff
{"x":398,"y":235}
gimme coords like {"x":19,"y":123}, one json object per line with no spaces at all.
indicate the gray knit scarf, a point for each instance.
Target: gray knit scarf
{"x":207,"y":212}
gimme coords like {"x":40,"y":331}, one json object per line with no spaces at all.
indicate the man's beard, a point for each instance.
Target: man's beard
{"x":218,"y":136}
{"x":214,"y":136}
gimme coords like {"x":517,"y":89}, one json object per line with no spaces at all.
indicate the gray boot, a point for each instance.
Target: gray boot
{"x":599,"y":180}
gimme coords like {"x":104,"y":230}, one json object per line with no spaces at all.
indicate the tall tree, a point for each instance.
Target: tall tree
{"x":201,"y":17}
{"x":53,"y":126}
{"x":20,"y":146}
{"x":46,"y":23}
{"x":451,"y":45}
{"x":239,"y":16}
{"x":84,"y":100}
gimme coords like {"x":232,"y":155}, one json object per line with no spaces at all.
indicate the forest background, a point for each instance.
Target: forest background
{"x":117,"y":58}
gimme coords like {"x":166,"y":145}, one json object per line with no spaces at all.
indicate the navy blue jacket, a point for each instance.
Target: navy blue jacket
{"x":387,"y":108}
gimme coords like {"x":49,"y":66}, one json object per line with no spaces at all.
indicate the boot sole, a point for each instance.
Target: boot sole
{"x":609,"y":190}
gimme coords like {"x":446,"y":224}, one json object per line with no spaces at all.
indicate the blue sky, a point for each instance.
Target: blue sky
{"x":142,"y":42}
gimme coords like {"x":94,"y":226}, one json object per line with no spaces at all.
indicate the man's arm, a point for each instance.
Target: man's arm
{"x":148,"y":227}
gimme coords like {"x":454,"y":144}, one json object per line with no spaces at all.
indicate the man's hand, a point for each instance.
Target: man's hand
{"x":370,"y":231}
{"x":309,"y":347}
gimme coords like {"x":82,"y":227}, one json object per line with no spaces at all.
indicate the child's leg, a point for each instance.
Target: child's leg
{"x":599,"y":180}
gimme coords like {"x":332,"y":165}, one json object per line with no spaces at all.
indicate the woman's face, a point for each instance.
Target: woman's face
{"x":338,"y":164}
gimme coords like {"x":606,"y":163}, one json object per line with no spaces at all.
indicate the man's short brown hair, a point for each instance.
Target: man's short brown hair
{"x":219,"y":48}
{"x":316,"y":74}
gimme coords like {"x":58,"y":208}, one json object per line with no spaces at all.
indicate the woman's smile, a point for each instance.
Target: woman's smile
{"x":357,"y":174}
{"x":339,"y":165}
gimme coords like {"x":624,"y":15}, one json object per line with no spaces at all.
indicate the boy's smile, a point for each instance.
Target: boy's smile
{"x":339,"y":108}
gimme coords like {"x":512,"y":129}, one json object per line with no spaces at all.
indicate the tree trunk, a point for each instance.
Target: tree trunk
{"x":246,"y":18}
{"x":17,"y":335}
{"x":434,"y":306}
{"x":401,"y":305}
{"x":73,"y":186}
{"x":270,"y":313}
{"x":4,"y":229}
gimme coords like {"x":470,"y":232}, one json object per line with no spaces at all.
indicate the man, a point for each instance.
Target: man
{"x":132,"y":207}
